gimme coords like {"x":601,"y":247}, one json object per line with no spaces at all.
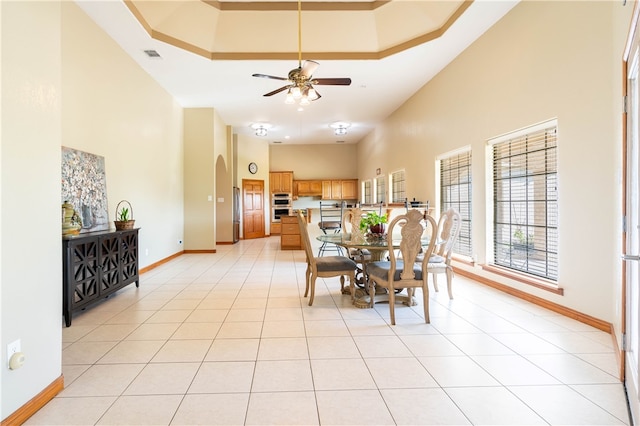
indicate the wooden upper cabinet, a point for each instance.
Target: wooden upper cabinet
{"x":349,"y":189}
{"x":336,"y":189}
{"x":340,"y":189}
{"x":308,"y":188}
{"x":326,"y":190}
{"x":281,"y":182}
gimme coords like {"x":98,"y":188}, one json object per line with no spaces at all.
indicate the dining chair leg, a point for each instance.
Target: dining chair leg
{"x":371,"y":288}
{"x":435,"y":281}
{"x":307,"y":281}
{"x":392,"y":307}
{"x":313,"y":289}
{"x":352,"y":286}
{"x":425,"y":301}
{"x":449,"y":281}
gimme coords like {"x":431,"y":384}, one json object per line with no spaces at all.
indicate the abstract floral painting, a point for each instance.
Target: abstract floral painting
{"x":84,"y":184}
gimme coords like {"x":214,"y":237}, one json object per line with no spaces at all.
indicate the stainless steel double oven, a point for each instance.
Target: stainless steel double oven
{"x":281,"y":205}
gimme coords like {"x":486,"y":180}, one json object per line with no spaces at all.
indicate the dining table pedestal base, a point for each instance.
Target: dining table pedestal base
{"x":363,"y":300}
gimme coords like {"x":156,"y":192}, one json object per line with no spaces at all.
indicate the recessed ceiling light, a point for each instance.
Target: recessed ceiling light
{"x":340,"y":127}
{"x":261,"y":128}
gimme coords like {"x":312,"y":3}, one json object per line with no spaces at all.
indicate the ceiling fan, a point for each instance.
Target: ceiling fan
{"x":301,"y":79}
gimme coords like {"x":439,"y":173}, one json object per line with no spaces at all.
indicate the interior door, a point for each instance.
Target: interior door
{"x":632,"y":225}
{"x":253,"y":208}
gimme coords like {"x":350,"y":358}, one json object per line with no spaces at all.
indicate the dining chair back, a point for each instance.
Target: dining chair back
{"x":351,"y":225}
{"x":324,"y":267}
{"x":330,"y":222}
{"x":402,"y":271}
{"x":448,"y":231}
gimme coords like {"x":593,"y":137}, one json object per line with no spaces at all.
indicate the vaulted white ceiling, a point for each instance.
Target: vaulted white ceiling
{"x":209,"y":51}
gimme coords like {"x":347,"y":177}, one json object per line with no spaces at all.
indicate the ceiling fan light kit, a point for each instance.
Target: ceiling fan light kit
{"x":301,"y":81}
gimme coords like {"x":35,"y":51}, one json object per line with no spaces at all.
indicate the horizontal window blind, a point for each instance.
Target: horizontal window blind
{"x":399,"y":194}
{"x":380,"y":190}
{"x":525,"y":195}
{"x":366,"y":192}
{"x":455,"y":193}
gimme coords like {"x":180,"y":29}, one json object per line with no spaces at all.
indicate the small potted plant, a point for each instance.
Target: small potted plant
{"x":123,"y":221}
{"x":373,"y":223}
{"x":522,"y":242}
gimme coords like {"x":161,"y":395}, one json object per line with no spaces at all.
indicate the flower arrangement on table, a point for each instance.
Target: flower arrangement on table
{"x":373,"y":224}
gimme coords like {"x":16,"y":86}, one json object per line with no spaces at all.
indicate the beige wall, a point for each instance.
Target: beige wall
{"x":315,"y":161}
{"x":113,"y":108}
{"x":256,"y":150}
{"x":30,"y":251}
{"x":82,"y":91}
{"x":542,"y":60}
{"x":199,"y":179}
{"x":225,"y":172}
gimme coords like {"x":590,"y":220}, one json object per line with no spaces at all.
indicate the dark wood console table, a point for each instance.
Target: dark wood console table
{"x":95,"y":265}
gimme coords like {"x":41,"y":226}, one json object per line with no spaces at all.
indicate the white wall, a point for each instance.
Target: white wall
{"x":542,"y":60}
{"x":30,"y":289}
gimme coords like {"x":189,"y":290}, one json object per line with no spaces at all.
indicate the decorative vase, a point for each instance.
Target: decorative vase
{"x":71,"y":222}
{"x":377,"y":229}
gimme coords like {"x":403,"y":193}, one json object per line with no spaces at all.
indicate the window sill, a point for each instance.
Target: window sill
{"x":465,"y":260}
{"x":525,"y":279}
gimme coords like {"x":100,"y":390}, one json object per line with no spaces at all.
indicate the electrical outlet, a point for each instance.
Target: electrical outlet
{"x":12,"y":348}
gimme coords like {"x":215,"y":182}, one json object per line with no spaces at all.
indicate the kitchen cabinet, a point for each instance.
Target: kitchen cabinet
{"x":276,"y":227}
{"x":95,"y":265}
{"x":346,"y":189}
{"x":290,"y":233}
{"x":281,"y":182}
{"x":349,"y":189}
{"x":307,"y":188}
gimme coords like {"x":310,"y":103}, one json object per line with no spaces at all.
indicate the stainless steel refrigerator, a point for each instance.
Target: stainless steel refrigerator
{"x":236,"y":214}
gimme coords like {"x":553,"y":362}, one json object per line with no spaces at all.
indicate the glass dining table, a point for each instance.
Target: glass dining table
{"x":377,"y":247}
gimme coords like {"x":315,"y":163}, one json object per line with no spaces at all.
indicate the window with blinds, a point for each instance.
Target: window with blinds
{"x":455,"y":193}
{"x":366,"y":192}
{"x":525,"y":201}
{"x":398,"y":192}
{"x":380,"y":190}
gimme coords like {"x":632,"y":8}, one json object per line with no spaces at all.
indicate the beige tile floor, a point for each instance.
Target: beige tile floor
{"x":227,"y":338}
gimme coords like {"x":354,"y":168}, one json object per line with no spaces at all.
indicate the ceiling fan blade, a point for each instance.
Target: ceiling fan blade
{"x":308,"y":68}
{"x":319,"y":95}
{"x":269,"y":76}
{"x":278,"y":90}
{"x":332,"y":81}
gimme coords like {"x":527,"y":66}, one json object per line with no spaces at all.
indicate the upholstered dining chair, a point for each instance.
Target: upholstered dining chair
{"x":351,"y":225}
{"x":448,"y":231}
{"x":325,"y":266}
{"x":402,"y":271}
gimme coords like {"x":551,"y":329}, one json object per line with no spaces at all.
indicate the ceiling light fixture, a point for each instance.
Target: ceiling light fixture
{"x":300,"y":80}
{"x":261,"y":128}
{"x":340,"y":128}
